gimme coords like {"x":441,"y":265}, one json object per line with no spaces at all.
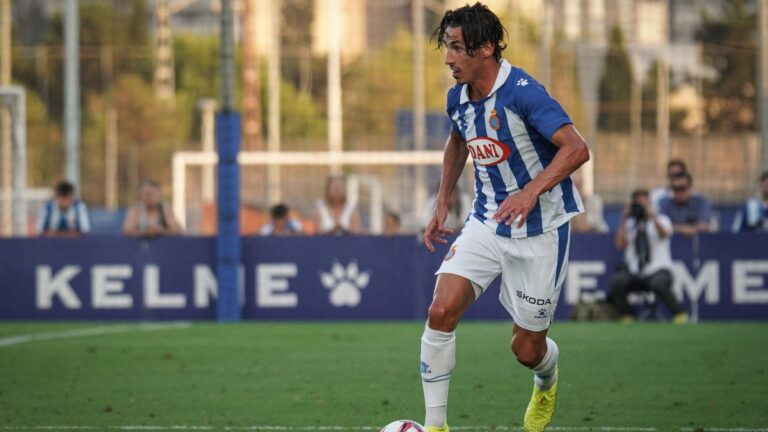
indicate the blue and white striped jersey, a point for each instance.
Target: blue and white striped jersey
{"x":508,"y":135}
{"x":51,"y":218}
{"x":752,"y":216}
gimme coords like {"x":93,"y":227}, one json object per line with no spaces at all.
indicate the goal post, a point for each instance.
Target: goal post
{"x":12,"y":98}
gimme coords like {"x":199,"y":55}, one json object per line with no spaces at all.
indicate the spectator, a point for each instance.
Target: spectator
{"x":64,"y":215}
{"x":335,"y":214}
{"x":391,"y":225}
{"x":150,"y":217}
{"x":592,"y":220}
{"x":644,"y":236}
{"x":690,"y":212}
{"x":459,"y":205}
{"x":281,"y":223}
{"x":753,"y":215}
{"x":675,"y":167}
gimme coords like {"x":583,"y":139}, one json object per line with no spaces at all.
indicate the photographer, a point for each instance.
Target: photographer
{"x":644,"y":236}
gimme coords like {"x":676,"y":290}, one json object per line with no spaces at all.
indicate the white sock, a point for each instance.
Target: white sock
{"x":546,"y":372}
{"x":438,"y":357}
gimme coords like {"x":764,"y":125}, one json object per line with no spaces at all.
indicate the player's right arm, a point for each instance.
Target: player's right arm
{"x":620,"y":240}
{"x":454,"y":159}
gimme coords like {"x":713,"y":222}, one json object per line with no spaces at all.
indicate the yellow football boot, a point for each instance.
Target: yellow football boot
{"x":541,"y":408}
{"x":437,"y":429}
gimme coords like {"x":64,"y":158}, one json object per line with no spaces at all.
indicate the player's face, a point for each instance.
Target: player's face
{"x":681,"y":190}
{"x":336,"y":190}
{"x":464,"y":68}
{"x":281,"y":225}
{"x":65,"y":202}
{"x":391,"y":226}
{"x":150,"y":195}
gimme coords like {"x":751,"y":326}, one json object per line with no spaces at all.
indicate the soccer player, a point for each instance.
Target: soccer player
{"x":64,"y":215}
{"x":524,"y":147}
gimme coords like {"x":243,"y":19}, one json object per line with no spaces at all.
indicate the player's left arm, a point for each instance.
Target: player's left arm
{"x":571,"y":154}
{"x":705,"y":216}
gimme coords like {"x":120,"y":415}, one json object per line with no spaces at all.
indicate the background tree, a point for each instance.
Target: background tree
{"x":650,"y":97}
{"x":296,"y":39}
{"x":729,"y":46}
{"x":106,"y":26}
{"x":615,"y":86}
{"x":379,"y":84}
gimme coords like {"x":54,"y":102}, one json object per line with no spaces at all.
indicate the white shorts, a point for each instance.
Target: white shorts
{"x":532,"y":269}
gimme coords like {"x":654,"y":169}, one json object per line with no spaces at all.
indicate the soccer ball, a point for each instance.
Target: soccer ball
{"x":403,"y":426}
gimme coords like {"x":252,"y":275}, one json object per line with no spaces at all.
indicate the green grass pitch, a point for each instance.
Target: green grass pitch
{"x":357,"y":376}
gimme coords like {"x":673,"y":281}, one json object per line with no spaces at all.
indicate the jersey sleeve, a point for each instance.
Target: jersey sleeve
{"x":452,"y":104}
{"x":42,"y":218}
{"x":454,"y":127}
{"x":705,"y":211}
{"x":540,"y":110}
{"x":666,"y":223}
{"x":84,"y":220}
{"x":738,"y":224}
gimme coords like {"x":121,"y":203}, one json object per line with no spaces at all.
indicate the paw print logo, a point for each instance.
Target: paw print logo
{"x":542,"y":313}
{"x":345,"y":284}
{"x":522,"y":82}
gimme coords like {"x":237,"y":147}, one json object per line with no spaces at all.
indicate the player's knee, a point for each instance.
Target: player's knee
{"x":661,"y":281}
{"x":442,"y":318}
{"x":529,"y":358}
{"x":619,"y":283}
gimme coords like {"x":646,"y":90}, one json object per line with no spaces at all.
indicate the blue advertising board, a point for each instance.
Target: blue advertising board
{"x":721,"y":276}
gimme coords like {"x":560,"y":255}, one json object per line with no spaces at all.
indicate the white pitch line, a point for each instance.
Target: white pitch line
{"x":259,"y":428}
{"x":718,"y":429}
{"x":604,"y":428}
{"x":90,"y":331}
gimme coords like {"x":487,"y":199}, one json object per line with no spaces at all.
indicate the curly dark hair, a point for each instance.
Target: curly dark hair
{"x":479,"y":26}
{"x":64,"y":189}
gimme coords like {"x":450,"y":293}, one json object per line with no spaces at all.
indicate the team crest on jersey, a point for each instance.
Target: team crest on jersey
{"x":494,"y":121}
{"x":488,"y":151}
{"x":450,"y":253}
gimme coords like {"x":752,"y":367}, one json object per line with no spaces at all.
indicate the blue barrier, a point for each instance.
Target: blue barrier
{"x":330,"y":278}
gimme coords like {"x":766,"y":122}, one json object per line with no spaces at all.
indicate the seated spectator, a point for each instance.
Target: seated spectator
{"x":753,"y":215}
{"x":391,"y":225}
{"x":675,"y":167}
{"x":150,"y":217}
{"x":459,"y":206}
{"x":644,"y":236}
{"x":592,"y":220}
{"x":64,"y":215}
{"x":690,"y":212}
{"x":281,"y":223}
{"x":335,"y":215}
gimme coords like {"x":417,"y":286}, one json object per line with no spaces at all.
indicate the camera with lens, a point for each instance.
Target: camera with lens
{"x":637,"y":211}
